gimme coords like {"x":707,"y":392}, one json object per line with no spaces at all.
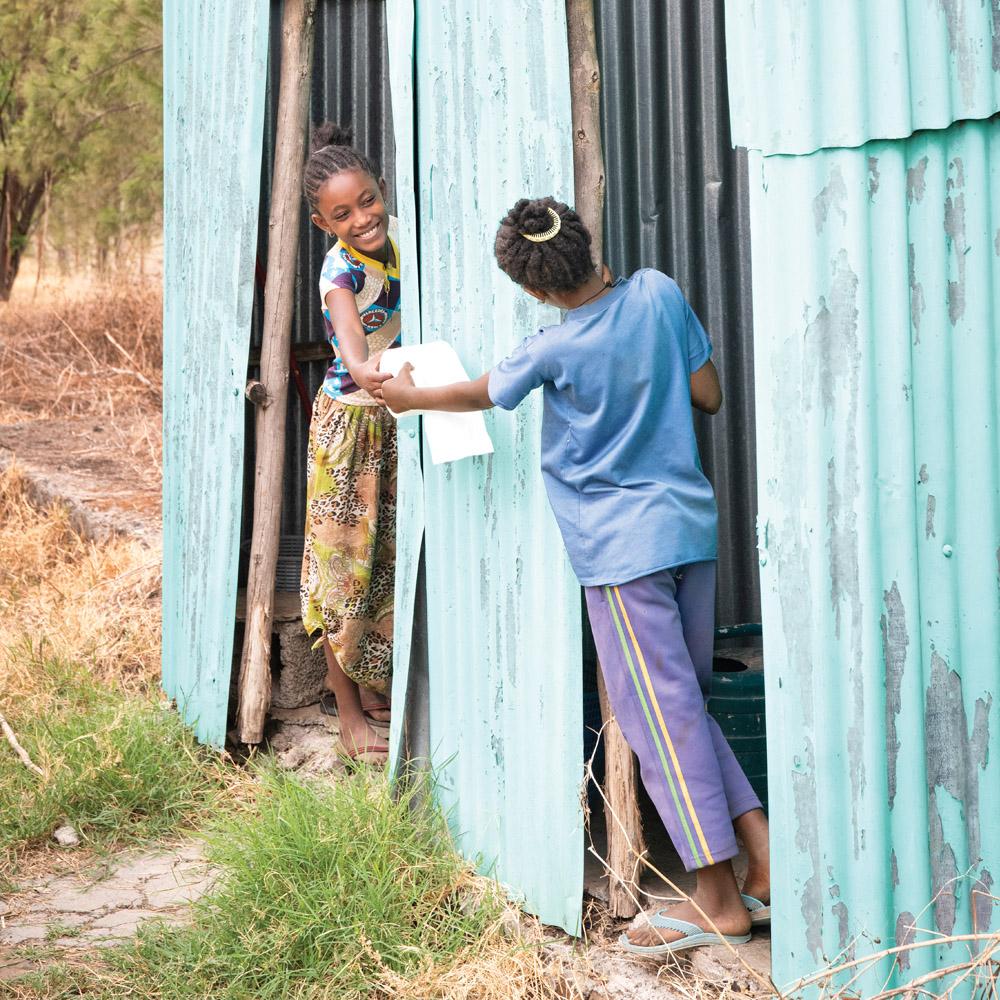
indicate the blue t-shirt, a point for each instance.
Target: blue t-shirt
{"x":619,"y":456}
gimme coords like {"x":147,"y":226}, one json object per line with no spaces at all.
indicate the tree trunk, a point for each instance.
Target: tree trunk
{"x":286,"y":200}
{"x":625,"y":840}
{"x":18,"y":206}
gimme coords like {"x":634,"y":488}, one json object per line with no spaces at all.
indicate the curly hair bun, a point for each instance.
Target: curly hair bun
{"x":561,"y":263}
{"x":531,"y":215}
{"x":331,"y":134}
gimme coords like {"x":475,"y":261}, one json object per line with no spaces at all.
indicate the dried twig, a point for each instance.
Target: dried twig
{"x":829,"y":973}
{"x":72,"y":333}
{"x":18,"y":749}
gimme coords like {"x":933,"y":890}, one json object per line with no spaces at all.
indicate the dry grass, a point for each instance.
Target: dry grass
{"x":96,"y":356}
{"x":95,"y":603}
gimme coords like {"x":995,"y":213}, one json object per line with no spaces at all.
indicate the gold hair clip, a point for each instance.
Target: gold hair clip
{"x":549,"y":233}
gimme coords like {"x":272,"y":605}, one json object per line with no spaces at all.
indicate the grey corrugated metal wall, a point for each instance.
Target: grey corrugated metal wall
{"x":678,"y":201}
{"x":350,"y":85}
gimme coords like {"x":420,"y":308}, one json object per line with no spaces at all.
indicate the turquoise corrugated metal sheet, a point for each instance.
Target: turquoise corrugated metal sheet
{"x":213,"y":124}
{"x":410,"y":489}
{"x":814,"y":74}
{"x":503,"y":605}
{"x":876,"y":318}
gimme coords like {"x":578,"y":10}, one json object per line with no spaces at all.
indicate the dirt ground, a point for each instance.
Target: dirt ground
{"x":80,"y":462}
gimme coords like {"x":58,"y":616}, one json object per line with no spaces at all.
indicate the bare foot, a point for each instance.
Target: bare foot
{"x":752,"y":829}
{"x":731,"y":919}
{"x":374,"y":705}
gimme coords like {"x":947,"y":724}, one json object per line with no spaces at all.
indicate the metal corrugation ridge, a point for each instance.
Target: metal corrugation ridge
{"x":350,"y":85}
{"x":408,"y":732}
{"x":808,"y":75}
{"x":878,"y":400}
{"x":503,"y":605}
{"x":214,"y":66}
{"x":677,"y":201}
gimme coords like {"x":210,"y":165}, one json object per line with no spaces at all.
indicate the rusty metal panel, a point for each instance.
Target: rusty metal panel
{"x":809,"y":74}
{"x":503,"y":605}
{"x":215,"y":60}
{"x":678,"y":201}
{"x":877,"y":323}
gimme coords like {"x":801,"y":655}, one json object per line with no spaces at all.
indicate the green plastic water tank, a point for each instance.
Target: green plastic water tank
{"x":736,"y":702}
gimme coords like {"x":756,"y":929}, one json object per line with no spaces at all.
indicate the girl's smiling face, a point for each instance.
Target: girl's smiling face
{"x":351,"y":207}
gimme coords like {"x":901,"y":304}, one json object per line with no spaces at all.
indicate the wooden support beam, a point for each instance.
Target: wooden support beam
{"x":585,"y":108}
{"x":283,"y":242}
{"x":625,"y":840}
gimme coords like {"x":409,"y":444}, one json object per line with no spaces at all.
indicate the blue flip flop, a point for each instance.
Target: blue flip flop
{"x":760,"y":913}
{"x":694,"y":937}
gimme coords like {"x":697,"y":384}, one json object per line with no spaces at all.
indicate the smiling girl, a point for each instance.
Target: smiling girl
{"x":349,"y":560}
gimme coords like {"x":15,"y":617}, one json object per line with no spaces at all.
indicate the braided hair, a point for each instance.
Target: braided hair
{"x":559,"y":264}
{"x":331,"y":152}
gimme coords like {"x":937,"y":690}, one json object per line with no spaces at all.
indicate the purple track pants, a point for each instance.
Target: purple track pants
{"x":654,"y":637}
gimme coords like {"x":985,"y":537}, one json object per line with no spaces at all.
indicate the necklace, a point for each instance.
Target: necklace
{"x":603,"y":288}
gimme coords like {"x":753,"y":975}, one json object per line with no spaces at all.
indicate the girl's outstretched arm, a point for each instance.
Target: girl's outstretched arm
{"x":706,"y":393}
{"x":351,"y":341}
{"x":459,"y":397}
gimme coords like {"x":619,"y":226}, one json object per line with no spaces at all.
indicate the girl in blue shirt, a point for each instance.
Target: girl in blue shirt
{"x":620,"y":463}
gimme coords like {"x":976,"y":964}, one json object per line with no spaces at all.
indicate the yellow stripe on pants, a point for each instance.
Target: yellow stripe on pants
{"x":663,"y":726}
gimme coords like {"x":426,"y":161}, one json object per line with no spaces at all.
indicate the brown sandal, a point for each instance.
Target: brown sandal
{"x":375,"y":756}
{"x":328,"y":706}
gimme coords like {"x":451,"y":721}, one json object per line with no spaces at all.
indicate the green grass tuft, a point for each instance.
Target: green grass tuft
{"x":120,"y":768}
{"x":322,"y":890}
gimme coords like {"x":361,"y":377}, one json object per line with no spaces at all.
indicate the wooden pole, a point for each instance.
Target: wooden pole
{"x":585,"y":104}
{"x":283,"y":242}
{"x":625,"y":840}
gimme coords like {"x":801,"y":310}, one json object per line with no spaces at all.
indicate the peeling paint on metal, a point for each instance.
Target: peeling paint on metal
{"x":917,"y":304}
{"x":839,"y":910}
{"x":995,"y":33}
{"x":954,"y":228}
{"x":805,"y":76}
{"x":983,"y":902}
{"x":954,"y":756}
{"x":810,"y":893}
{"x":831,"y":198}
{"x":960,"y":46}
{"x":894,"y":642}
{"x":906,"y":933}
{"x":929,"y":518}
{"x":944,"y":872}
{"x":844,"y":482}
{"x":873,"y":176}
{"x":915,"y":183}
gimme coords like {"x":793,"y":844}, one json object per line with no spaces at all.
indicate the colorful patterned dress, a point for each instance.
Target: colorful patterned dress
{"x":348,"y":567}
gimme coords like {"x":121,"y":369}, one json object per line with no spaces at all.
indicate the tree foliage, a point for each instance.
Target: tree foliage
{"x":80,"y":120}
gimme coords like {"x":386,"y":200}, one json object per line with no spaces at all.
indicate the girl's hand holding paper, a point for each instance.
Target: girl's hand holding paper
{"x":450,"y":436}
